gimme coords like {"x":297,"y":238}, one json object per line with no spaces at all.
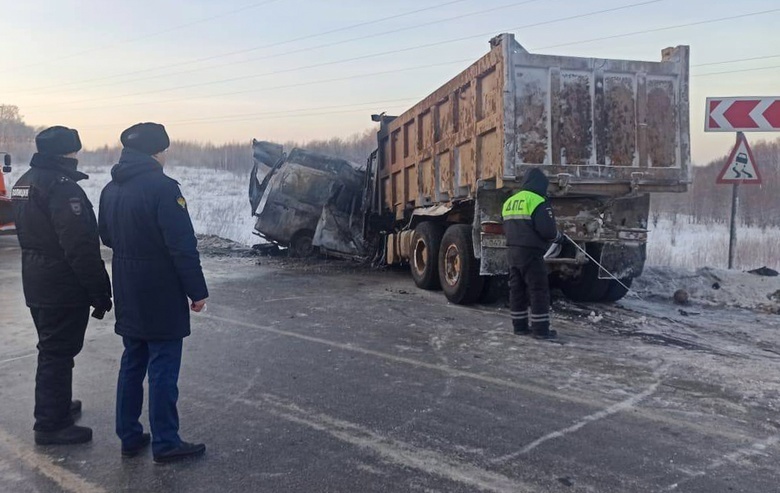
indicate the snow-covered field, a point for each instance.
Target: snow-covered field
{"x":683,"y":243}
{"x":217,"y":200}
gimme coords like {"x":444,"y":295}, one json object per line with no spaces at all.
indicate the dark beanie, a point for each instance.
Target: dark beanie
{"x":149,"y":138}
{"x":58,"y":141}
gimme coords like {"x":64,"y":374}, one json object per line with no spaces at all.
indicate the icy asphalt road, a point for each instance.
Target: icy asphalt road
{"x":322,"y":377}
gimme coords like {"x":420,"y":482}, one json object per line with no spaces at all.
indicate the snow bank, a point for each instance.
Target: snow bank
{"x":684,"y":243}
{"x":713,"y":287}
{"x":217,"y":200}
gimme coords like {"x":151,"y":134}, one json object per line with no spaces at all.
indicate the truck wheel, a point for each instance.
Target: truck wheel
{"x":587,"y":287}
{"x":424,"y":263}
{"x":615,"y":291}
{"x":458,"y":269}
{"x":301,"y":244}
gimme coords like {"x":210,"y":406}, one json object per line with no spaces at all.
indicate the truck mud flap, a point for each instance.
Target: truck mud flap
{"x":622,"y":260}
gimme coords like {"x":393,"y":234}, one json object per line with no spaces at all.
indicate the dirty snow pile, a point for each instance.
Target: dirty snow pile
{"x":215,"y":246}
{"x":712,"y":287}
{"x":217,"y":200}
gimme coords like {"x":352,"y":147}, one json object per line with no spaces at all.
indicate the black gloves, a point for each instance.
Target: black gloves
{"x":101,"y":305}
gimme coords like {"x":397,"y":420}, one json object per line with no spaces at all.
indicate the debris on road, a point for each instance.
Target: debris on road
{"x":712,"y":287}
{"x":214,"y":246}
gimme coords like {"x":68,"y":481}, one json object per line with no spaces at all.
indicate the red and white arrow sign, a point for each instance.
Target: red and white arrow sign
{"x":749,"y":114}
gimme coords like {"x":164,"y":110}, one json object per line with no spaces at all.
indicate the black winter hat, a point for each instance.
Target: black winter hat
{"x":58,"y":140}
{"x":149,"y":138}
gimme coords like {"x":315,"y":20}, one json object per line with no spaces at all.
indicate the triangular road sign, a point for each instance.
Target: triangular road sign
{"x":740,"y":166}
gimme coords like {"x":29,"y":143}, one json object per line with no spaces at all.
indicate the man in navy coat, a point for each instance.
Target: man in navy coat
{"x":157,"y":278}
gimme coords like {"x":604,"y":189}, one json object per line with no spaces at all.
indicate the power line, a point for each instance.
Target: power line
{"x":724,"y":62}
{"x":284,"y":86}
{"x":271,"y":45}
{"x":659,"y":29}
{"x":736,"y":71}
{"x":396,"y":51}
{"x":446,"y":63}
{"x":150,"y":35}
{"x":309,"y":111}
{"x":316,"y":47}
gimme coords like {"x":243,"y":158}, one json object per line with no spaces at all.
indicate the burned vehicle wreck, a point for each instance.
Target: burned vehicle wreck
{"x":306,"y":201}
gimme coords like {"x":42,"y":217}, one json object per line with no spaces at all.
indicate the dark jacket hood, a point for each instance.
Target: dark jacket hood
{"x":64,"y":165}
{"x":133,"y":163}
{"x":536,"y":182}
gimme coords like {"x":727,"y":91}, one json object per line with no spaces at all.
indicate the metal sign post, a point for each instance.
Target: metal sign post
{"x":733,"y":227}
{"x":740,"y":168}
{"x":741,"y":114}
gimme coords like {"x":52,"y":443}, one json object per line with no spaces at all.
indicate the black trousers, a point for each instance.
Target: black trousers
{"x":60,"y":339}
{"x":528,"y":288}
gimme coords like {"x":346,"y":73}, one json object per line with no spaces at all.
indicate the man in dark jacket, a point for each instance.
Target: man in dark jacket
{"x":156,"y":268}
{"x":529,"y":224}
{"x":62,"y":274}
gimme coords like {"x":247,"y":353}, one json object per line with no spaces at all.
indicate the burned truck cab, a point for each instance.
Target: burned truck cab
{"x":299,"y":198}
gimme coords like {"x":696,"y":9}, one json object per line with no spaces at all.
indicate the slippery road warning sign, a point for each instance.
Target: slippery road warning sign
{"x":740,"y":167}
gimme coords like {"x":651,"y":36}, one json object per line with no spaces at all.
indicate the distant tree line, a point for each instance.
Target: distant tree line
{"x":705,"y":202}
{"x":18,"y":138}
{"x":708,"y":202}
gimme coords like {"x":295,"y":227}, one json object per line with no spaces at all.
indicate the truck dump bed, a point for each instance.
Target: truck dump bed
{"x":600,"y":128}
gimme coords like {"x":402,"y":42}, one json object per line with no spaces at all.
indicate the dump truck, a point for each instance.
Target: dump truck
{"x":6,"y":210}
{"x":608,"y":133}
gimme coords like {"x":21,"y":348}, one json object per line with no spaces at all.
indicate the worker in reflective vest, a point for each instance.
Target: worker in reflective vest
{"x":529,"y":224}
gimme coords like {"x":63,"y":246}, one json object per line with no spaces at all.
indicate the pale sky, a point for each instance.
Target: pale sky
{"x":302,"y":69}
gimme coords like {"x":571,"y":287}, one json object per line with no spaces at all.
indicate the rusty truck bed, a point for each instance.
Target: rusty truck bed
{"x":600,"y":128}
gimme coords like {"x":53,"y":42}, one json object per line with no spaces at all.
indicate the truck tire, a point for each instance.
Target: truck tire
{"x":301,"y":244}
{"x":615,"y":291}
{"x":587,"y":287}
{"x":424,"y":261}
{"x":458,"y":268}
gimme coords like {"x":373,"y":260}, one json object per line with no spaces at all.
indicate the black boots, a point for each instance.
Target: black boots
{"x":71,"y":435}
{"x":183,"y":451}
{"x":521,"y":327}
{"x":545,"y":334}
{"x":136,"y":449}
{"x":539,"y":329}
{"x":68,"y":436}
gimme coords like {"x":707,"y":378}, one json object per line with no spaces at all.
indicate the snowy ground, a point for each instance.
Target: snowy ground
{"x":683,"y":243}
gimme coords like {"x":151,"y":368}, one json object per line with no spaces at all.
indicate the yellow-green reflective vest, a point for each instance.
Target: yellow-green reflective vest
{"x":521,"y":205}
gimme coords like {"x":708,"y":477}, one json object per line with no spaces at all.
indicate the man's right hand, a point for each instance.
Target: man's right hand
{"x":197,"y":306}
{"x":101,"y":305}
